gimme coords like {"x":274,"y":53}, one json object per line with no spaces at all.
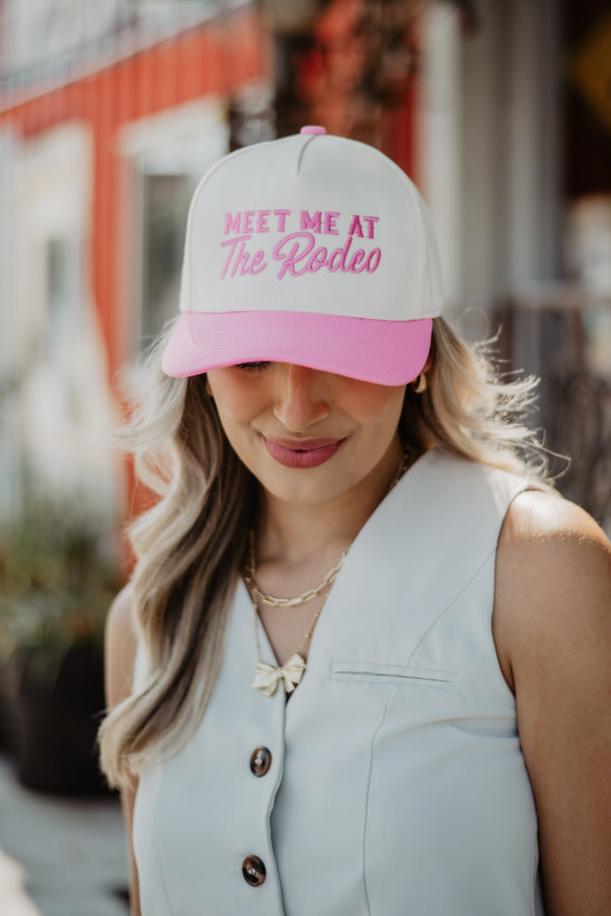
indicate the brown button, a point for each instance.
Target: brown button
{"x":260,"y":761}
{"x":253,"y":870}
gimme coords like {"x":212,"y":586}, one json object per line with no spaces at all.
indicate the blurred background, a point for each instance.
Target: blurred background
{"x":110,"y":111}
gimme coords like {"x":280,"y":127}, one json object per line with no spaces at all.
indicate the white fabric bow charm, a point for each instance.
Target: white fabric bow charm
{"x":268,"y":676}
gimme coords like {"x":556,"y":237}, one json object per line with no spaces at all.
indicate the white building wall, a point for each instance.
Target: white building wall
{"x":64,"y":414}
{"x":10,"y":440}
{"x":488,"y":136}
{"x":438,"y":123}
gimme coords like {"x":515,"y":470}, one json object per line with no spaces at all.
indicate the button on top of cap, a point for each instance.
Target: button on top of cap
{"x":313,"y":129}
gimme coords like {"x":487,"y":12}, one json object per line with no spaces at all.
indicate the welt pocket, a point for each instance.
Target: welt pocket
{"x":380,"y":672}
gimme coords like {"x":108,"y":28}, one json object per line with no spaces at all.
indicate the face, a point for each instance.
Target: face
{"x":272,"y":400}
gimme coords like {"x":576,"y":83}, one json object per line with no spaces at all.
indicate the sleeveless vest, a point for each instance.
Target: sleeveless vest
{"x":392,"y":782}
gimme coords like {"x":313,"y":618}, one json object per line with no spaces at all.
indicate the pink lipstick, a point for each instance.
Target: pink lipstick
{"x":302,"y":454}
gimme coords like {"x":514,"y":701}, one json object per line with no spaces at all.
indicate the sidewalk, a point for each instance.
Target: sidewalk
{"x":58,"y":856}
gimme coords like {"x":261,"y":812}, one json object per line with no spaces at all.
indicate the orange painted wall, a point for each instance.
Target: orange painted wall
{"x":216,"y":57}
{"x":213,"y":58}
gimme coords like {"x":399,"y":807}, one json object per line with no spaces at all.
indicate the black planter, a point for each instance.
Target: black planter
{"x":7,"y":724}
{"x":57,"y":711}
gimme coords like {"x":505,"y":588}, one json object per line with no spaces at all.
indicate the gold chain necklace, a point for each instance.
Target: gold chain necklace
{"x":268,"y":676}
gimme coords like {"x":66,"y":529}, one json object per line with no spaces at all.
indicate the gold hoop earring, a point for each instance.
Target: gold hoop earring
{"x":421,"y":384}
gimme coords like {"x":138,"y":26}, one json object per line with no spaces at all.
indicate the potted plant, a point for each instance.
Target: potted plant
{"x":56,"y":584}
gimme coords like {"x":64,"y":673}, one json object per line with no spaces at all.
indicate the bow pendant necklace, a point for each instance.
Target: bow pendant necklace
{"x":267,"y":677}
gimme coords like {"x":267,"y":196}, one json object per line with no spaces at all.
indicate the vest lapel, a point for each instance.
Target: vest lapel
{"x":422,"y":544}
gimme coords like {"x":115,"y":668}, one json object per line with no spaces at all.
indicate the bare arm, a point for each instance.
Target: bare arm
{"x":119,"y":655}
{"x":555,"y":609}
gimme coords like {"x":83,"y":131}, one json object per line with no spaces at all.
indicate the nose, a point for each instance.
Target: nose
{"x":300,"y":399}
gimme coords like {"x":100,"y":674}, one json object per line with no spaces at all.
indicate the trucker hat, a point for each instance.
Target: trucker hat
{"x":312,"y":249}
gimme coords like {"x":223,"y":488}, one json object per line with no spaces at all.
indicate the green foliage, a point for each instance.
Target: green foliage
{"x":57,"y":578}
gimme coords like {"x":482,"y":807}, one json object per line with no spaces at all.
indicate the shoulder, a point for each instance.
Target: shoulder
{"x":548,"y":546}
{"x":552,"y":582}
{"x":120,"y":644}
{"x":538,"y":516}
{"x":553,"y":598}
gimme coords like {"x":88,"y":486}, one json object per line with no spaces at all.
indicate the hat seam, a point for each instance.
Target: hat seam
{"x":308,"y":140}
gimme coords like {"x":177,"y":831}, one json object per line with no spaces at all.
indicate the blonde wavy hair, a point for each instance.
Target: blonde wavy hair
{"x":191,"y":544}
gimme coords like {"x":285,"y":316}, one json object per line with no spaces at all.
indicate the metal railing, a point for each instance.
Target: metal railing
{"x":52,"y":41}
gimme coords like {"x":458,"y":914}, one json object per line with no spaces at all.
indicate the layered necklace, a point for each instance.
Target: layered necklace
{"x":267,"y":677}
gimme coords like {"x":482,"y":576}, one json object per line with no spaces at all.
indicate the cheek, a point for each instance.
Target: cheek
{"x":238,"y":400}
{"x":375,"y":405}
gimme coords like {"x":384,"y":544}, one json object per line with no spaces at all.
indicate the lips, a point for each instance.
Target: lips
{"x":302,"y":457}
{"x":303,"y":445}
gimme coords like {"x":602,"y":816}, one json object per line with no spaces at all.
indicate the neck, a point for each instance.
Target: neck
{"x":297,"y":534}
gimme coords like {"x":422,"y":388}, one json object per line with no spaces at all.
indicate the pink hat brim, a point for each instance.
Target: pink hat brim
{"x":373,"y":350}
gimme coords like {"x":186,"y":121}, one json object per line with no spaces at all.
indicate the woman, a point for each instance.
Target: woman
{"x":364,"y":675}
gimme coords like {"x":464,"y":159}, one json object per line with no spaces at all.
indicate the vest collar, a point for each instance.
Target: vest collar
{"x":372,"y":575}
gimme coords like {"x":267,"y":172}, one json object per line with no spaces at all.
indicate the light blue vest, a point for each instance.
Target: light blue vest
{"x":397,"y":786}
